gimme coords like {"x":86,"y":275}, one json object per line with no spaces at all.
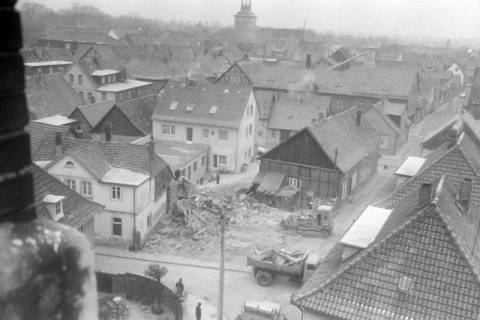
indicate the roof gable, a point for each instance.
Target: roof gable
{"x":235,"y":76}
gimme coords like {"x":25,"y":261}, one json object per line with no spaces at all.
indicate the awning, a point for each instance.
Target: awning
{"x":270,"y":183}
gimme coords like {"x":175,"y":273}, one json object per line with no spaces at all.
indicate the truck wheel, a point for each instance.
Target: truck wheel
{"x":264,"y":278}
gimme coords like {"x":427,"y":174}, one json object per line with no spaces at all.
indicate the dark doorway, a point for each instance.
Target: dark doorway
{"x":189,"y":134}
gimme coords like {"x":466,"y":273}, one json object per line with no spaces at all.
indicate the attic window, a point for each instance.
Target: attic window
{"x":213,"y":109}
{"x":69,"y":164}
{"x":173,"y":105}
{"x":405,"y":284}
{"x":190,"y":107}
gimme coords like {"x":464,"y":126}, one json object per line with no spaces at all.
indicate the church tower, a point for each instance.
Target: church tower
{"x":245,"y":23}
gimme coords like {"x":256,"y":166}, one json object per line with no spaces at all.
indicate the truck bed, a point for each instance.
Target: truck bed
{"x":292,"y":270}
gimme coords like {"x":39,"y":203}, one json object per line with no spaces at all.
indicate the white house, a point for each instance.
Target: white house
{"x":223,"y":117}
{"x":458,"y":75}
{"x":128,"y":180}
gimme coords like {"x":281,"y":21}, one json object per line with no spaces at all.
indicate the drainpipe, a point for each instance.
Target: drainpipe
{"x":134,"y":224}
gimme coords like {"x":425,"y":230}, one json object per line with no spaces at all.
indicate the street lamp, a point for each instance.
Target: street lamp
{"x":117,"y":301}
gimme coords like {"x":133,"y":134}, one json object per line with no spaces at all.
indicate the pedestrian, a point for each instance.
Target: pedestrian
{"x":179,"y":287}
{"x":198,"y":311}
{"x":218,"y":177}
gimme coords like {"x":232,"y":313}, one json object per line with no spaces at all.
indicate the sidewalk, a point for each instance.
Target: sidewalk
{"x":166,"y":259}
{"x":209,"y":311}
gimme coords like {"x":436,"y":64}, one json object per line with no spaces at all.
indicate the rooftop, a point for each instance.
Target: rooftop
{"x":47,"y":63}
{"x":411,"y":166}
{"x":57,"y":120}
{"x":104,"y":72}
{"x":121,"y":86}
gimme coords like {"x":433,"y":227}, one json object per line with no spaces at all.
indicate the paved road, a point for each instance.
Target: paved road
{"x":201,"y":277}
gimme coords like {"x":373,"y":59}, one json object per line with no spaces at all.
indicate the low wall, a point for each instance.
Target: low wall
{"x":138,"y":288}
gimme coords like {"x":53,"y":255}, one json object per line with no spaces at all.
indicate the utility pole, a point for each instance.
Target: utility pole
{"x":221,"y":276}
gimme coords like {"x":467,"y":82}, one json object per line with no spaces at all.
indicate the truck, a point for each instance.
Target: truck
{"x":297,"y":266}
{"x":260,"y":310}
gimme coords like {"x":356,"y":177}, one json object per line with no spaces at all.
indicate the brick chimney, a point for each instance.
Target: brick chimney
{"x":58,"y":143}
{"x":108,"y":131}
{"x":464,"y":194}
{"x":425,"y":194}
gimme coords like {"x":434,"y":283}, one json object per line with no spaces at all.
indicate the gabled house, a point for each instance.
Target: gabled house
{"x":458,"y":162}
{"x":46,"y":60}
{"x":56,"y":201}
{"x":332,"y":159}
{"x":96,"y":82}
{"x":420,"y":260}
{"x":130,"y":118}
{"x":50,"y":95}
{"x":223,"y":117}
{"x":391,"y":129}
{"x":128,"y":180}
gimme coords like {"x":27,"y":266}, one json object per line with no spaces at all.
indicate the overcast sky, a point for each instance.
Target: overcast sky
{"x":430,"y":18}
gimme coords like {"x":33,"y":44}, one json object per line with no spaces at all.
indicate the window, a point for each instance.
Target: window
{"x":190,"y":107}
{"x":149,"y":221}
{"x":223,"y":134}
{"x":91,"y":99}
{"x":250,"y":129}
{"x":58,"y":208}
{"x":78,"y":127}
{"x":103,"y":80}
{"x":246,"y":132}
{"x":104,"y":96}
{"x":249,"y":152}
{"x":205,"y":133}
{"x":80,"y":93}
{"x":361,"y":105}
{"x":293,"y":182}
{"x":71,"y":78}
{"x":86,"y":188}
{"x":184,"y":172}
{"x":195,"y":166}
{"x":339,"y":104}
{"x":213,"y":109}
{"x":69,"y":164}
{"x":70,"y":183}
{"x":251,"y":110}
{"x":116,"y":193}
{"x":260,"y":133}
{"x":117,"y":227}
{"x":273,"y":133}
{"x":222,"y":160}
{"x":80,"y":79}
{"x":204,"y":160}
{"x":385,"y":142}
{"x":168,"y":129}
{"x":173,"y":105}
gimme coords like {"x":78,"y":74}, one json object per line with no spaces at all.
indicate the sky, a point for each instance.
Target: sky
{"x":413,"y":18}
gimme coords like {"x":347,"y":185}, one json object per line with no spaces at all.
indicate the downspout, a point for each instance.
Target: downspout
{"x":134,"y":247}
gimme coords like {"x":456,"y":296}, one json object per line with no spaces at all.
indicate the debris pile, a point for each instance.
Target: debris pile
{"x":283,"y":257}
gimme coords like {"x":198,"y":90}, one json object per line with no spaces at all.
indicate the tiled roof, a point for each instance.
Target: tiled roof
{"x":265,"y":102}
{"x":139,"y":112}
{"x":230,"y":102}
{"x":295,"y":116}
{"x":98,"y":157}
{"x":77,"y":210}
{"x":80,"y":35}
{"x":458,"y":162}
{"x":269,"y":181}
{"x":46,"y":54}
{"x":39,"y":131}
{"x":93,"y":113}
{"x":156,"y":69}
{"x":341,"y":138}
{"x":50,"y":95}
{"x":432,"y":246}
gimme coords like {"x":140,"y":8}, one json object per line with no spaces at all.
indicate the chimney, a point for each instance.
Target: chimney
{"x":308,"y":61}
{"x":358,"y":119}
{"x":58,"y":143}
{"x":464,"y":194}
{"x":425,"y":194}
{"x":108,"y":131}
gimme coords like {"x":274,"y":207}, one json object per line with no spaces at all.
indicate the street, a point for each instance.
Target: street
{"x":201,"y":277}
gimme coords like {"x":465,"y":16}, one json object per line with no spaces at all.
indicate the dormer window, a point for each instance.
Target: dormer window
{"x":173,"y":105}
{"x":54,"y":205}
{"x":213,"y":109}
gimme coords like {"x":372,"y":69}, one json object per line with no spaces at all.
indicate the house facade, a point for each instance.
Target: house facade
{"x":128,"y":180}
{"x":222,"y":117}
{"x":332,"y":159}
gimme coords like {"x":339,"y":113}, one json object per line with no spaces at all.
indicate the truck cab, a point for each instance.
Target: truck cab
{"x":310,"y":265}
{"x":261,"y":310}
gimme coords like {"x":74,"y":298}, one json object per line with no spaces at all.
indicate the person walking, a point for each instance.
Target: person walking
{"x":198,"y":311}
{"x":179,"y":287}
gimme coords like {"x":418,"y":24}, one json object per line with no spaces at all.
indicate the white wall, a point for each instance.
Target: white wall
{"x":87,"y":84}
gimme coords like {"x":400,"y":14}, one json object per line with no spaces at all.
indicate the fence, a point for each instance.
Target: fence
{"x":138,"y":288}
